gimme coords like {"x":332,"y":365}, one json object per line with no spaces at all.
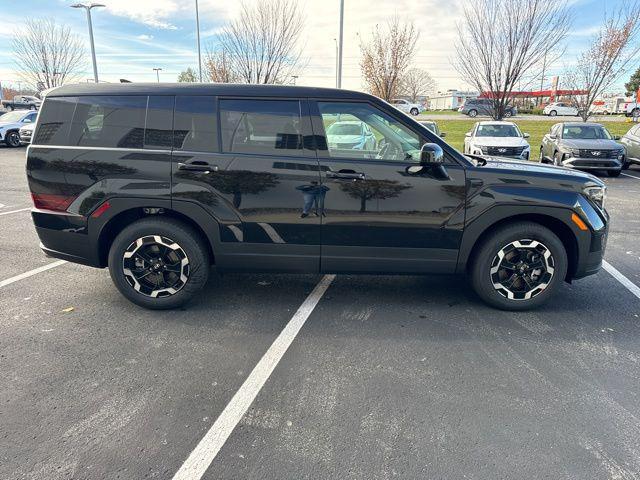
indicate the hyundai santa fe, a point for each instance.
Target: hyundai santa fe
{"x":159,"y":182}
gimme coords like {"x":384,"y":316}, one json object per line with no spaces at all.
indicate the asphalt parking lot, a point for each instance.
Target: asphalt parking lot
{"x":389,"y":377}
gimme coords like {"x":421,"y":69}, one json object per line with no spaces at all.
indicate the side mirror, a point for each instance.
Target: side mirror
{"x":616,"y":137}
{"x":26,"y":120}
{"x":431,"y":154}
{"x":552,"y":136}
{"x":443,"y":134}
{"x":468,"y":134}
{"x":526,"y":135}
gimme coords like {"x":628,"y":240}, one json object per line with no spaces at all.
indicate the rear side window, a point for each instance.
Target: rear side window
{"x":267,"y":127}
{"x":109,"y":121}
{"x":54,"y":122}
{"x":195,"y":124}
{"x":158,"y":132}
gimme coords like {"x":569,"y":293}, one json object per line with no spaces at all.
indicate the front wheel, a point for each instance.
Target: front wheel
{"x":614,"y":173}
{"x":553,"y":113}
{"x":519,"y":266}
{"x":414,"y":112}
{"x":473,"y":113}
{"x":159,"y":263}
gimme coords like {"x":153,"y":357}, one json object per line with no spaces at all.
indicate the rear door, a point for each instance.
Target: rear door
{"x":381,"y":211}
{"x":259,"y":183}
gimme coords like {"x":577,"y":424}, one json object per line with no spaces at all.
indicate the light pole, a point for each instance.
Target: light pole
{"x":157,"y":70}
{"x":88,"y":8}
{"x":198,"y":34}
{"x":336,"y":42}
{"x":340,"y":44}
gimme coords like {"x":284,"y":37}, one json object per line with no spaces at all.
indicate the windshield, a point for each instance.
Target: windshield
{"x":12,"y":117}
{"x":498,"y":131}
{"x":344,"y":129}
{"x":585,"y":132}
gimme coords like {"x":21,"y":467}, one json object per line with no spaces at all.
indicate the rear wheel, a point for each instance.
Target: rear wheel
{"x":519,"y":266}
{"x":508,"y":113}
{"x":414,"y":112}
{"x":158,"y":263}
{"x":553,"y":113}
{"x":473,"y":113}
{"x":12,"y":139}
{"x":9,"y":108}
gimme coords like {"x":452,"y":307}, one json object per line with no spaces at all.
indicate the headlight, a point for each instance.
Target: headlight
{"x":596,"y":195}
{"x":620,"y":154}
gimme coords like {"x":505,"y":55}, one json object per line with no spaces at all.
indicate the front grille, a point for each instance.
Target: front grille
{"x":505,"y":151}
{"x":594,"y":163}
{"x":586,"y":153}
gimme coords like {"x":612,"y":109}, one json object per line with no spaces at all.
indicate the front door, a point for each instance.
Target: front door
{"x":382,"y":211}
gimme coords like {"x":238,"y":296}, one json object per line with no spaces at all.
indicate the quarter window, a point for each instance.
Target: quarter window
{"x":109,"y":121}
{"x":266,"y":127}
{"x":54,"y":122}
{"x":361,"y":131}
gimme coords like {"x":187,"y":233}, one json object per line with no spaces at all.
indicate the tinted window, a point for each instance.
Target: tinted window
{"x":271,"y":127}
{"x":109,"y":121}
{"x":385,"y":139}
{"x":158,"y":132}
{"x":498,"y":130}
{"x":54,"y":122}
{"x":195,"y":124}
{"x":586,"y":132}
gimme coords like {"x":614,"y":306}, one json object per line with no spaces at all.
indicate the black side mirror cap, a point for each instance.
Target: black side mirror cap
{"x":443,"y":134}
{"x":431,"y":154}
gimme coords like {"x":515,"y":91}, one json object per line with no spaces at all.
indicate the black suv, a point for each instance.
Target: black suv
{"x":159,"y":182}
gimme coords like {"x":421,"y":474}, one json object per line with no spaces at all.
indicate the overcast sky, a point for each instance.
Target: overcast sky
{"x":134,"y":36}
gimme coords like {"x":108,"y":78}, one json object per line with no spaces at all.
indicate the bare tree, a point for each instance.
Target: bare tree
{"x":261,"y":46}
{"x":386,"y":58}
{"x":501,"y":42}
{"x":612,"y":51}
{"x":47,"y":54}
{"x":415,"y":83}
{"x":218,"y":67}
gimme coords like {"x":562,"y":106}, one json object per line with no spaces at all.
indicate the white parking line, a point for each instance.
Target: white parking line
{"x":632,"y":287}
{"x":30,"y":273}
{"x":205,"y":452}
{"x":15,"y":211}
{"x":632,"y":176}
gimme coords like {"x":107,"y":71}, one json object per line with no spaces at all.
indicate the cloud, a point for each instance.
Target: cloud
{"x":144,"y":37}
{"x":154,"y":13}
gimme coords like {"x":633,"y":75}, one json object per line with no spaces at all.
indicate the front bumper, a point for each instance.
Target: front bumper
{"x":592,"y":163}
{"x":25,"y":137}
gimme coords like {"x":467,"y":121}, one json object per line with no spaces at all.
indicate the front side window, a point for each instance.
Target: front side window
{"x":109,"y":121}
{"x":264,"y":127}
{"x":381,"y":138}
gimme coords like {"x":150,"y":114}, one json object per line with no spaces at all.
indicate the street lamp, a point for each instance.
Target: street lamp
{"x":198,"y":34}
{"x":88,"y":8}
{"x":340,"y":44}
{"x":336,"y":42}
{"x":157,"y":70}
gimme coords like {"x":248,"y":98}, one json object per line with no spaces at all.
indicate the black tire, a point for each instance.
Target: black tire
{"x":508,"y":114}
{"x":553,"y":113}
{"x":614,"y":173}
{"x":414,"y":112}
{"x":9,"y":108}
{"x":473,"y":113}
{"x":32,"y":107}
{"x":188,"y":241}
{"x":487,"y":252}
{"x":626,"y":165}
{"x":12,"y":139}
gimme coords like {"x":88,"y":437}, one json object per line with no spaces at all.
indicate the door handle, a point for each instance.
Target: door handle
{"x":345,"y":174}
{"x":198,"y":167}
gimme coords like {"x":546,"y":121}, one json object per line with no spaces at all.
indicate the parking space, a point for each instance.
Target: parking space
{"x":409,"y":377}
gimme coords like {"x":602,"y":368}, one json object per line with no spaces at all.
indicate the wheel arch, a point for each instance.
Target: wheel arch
{"x":203,"y":226}
{"x":553,"y":223}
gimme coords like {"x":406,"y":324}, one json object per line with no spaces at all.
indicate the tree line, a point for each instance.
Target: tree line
{"x":501,"y":45}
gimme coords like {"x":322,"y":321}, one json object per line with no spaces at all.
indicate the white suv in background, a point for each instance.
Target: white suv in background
{"x":407,"y":107}
{"x":498,"y":139}
{"x":560,"y":108}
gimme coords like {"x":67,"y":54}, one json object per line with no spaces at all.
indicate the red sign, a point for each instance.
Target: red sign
{"x":638,"y":96}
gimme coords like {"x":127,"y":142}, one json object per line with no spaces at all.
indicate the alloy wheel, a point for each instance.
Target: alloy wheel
{"x":155,"y":266}
{"x":522,"y":269}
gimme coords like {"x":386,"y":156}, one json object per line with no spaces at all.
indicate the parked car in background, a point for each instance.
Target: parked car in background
{"x":351,"y":134}
{"x":560,"y":108}
{"x":26,"y":133}
{"x":10,"y":124}
{"x":631,"y":142}
{"x":407,"y":107}
{"x":433,"y":126}
{"x":170,"y":179}
{"x":502,"y":139}
{"x":484,"y":106}
{"x":583,"y":146}
{"x":22,"y":102}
